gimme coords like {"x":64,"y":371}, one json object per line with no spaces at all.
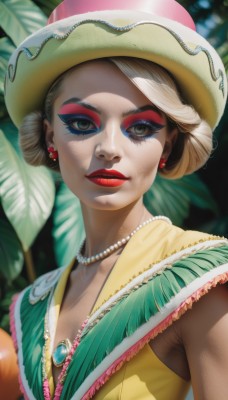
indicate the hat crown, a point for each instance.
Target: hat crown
{"x":164,"y":8}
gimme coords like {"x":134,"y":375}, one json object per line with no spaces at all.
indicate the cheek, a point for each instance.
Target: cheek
{"x":71,"y":158}
{"x":69,"y":148}
{"x":147,"y":157}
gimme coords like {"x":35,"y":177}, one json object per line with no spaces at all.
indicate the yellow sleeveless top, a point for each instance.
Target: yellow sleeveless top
{"x":145,"y":377}
{"x":157,"y":254}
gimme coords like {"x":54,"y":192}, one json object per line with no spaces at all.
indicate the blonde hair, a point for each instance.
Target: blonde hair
{"x":194,"y":142}
{"x":32,"y":135}
{"x":193,"y":145}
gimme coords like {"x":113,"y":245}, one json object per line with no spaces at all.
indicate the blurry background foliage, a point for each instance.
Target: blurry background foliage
{"x":40,"y":218}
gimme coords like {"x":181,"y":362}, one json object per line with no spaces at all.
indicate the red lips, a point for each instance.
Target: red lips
{"x":107,"y":177}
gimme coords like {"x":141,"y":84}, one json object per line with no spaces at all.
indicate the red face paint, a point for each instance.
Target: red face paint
{"x":147,"y":115}
{"x":142,"y":124}
{"x":82,"y":110}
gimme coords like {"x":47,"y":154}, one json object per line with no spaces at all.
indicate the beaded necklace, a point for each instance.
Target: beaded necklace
{"x":71,"y":348}
{"x":105,"y":253}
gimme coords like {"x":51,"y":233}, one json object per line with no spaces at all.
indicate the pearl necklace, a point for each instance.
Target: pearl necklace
{"x":105,"y":253}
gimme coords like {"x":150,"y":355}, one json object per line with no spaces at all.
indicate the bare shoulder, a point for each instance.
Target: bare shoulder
{"x":208,"y":312}
{"x":204,"y":331}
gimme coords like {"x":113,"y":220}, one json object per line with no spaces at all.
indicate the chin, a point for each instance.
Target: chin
{"x":108,"y":203}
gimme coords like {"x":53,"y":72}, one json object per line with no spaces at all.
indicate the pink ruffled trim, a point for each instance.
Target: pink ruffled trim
{"x":46,"y":390}
{"x":12,"y":320}
{"x":14,"y":337}
{"x":132,"y":351}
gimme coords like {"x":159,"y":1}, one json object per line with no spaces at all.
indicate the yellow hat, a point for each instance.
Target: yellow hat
{"x":157,"y":30}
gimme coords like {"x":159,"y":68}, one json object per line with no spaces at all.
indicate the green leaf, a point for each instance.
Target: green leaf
{"x":3,"y":111}
{"x":197,"y":192}
{"x":47,"y":6}
{"x":4,"y":321}
{"x":27,"y":193}
{"x":217,"y":226}
{"x":20,"y":18}
{"x":6,"y":49}
{"x":11,"y":256}
{"x":174,"y":197}
{"x":68,"y":231}
{"x":8,"y":290}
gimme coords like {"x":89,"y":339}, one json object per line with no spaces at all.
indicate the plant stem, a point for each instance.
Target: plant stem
{"x":29,"y":264}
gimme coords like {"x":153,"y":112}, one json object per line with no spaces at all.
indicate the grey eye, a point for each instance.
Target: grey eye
{"x":82,"y":124}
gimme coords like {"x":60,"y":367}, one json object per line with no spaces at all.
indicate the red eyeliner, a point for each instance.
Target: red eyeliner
{"x":74,"y":109}
{"x":149,"y":115}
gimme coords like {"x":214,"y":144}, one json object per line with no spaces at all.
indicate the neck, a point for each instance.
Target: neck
{"x":103,"y":228}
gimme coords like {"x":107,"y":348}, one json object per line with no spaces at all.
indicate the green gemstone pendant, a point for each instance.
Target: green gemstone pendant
{"x":61,"y":352}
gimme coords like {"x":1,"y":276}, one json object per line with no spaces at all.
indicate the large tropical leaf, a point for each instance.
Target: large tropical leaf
{"x":217,"y":226}
{"x":223,"y":52}
{"x":11,"y":256}
{"x":26,"y":192}
{"x":20,"y":18}
{"x":8,"y":289}
{"x":173,"y":198}
{"x":6,"y":49}
{"x":201,"y":10}
{"x":218,"y":38}
{"x":47,"y":6}
{"x":68,"y":231}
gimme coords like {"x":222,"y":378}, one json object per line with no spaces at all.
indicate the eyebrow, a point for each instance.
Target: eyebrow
{"x":141,"y":109}
{"x":76,"y":100}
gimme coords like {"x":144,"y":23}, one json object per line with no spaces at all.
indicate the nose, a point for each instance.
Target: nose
{"x":109,"y":146}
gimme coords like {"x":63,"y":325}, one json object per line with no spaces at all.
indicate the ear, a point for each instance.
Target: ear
{"x":169,"y":143}
{"x":49,"y":133}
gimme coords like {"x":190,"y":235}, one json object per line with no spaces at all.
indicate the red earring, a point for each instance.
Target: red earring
{"x":162,"y":163}
{"x":53,"y":154}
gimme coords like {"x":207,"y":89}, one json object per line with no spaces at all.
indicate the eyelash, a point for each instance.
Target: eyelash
{"x":69,"y":120}
{"x":152,"y":126}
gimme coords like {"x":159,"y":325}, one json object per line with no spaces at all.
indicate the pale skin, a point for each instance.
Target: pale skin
{"x":194,"y":346}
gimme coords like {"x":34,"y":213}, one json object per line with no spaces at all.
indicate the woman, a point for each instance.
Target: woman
{"x":110,"y":97}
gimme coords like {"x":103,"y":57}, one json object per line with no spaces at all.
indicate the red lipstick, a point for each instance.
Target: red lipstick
{"x":107,"y":177}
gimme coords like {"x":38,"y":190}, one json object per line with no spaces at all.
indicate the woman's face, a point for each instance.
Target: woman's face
{"x":108,"y":135}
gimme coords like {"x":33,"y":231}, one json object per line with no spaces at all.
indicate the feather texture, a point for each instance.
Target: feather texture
{"x":134,"y":310}
{"x":123,"y":318}
{"x":32,"y":343}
